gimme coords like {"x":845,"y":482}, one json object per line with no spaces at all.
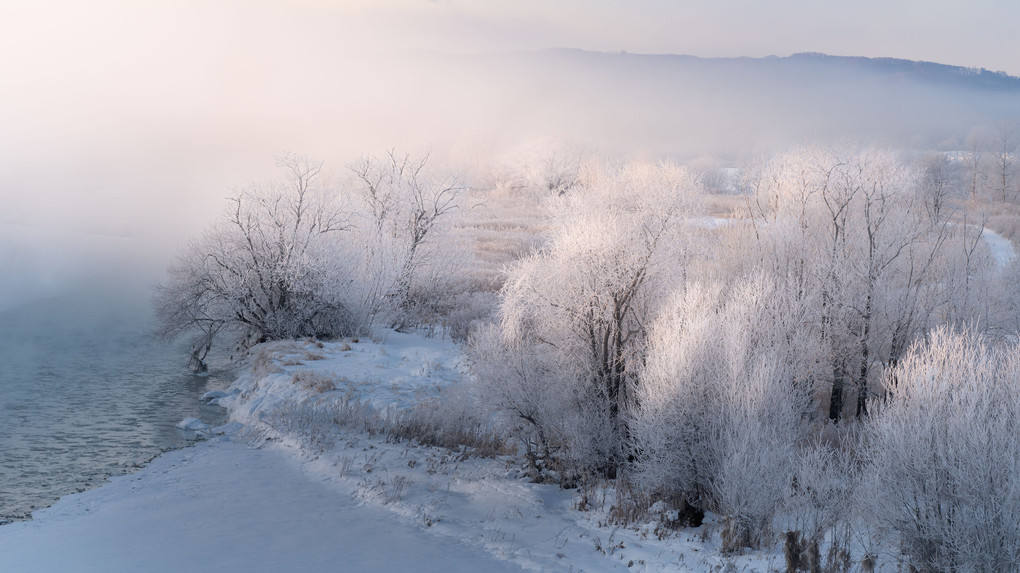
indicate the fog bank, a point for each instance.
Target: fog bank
{"x":136,"y":119}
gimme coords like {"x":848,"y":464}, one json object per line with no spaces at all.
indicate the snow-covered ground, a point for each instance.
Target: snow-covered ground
{"x":224,"y":506}
{"x":312,"y":497}
{"x":1003,"y":251}
{"x":485,"y":504}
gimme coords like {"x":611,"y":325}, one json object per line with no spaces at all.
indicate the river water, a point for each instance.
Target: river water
{"x":85,"y":391}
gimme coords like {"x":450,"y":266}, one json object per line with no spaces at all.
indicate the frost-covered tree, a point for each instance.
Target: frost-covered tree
{"x":1006,"y":137}
{"x":944,"y":455}
{"x":403,"y":206}
{"x":939,"y":183}
{"x":548,"y":165}
{"x":582,"y":304}
{"x":977,"y":143}
{"x":849,"y":236}
{"x":261,"y":273}
{"x":721,"y":407}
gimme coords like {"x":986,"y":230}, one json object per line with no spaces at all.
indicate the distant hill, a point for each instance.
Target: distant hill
{"x":789,"y":67}
{"x":674,"y":105}
{"x":894,"y":68}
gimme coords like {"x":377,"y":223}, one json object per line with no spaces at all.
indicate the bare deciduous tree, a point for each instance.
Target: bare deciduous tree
{"x":405,"y":203}
{"x":939,"y":183}
{"x":259,"y":274}
{"x":1004,"y":154}
{"x":977,"y":141}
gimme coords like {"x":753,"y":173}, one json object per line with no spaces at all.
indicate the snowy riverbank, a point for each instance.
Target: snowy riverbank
{"x":316,"y":496}
{"x":224,"y":506}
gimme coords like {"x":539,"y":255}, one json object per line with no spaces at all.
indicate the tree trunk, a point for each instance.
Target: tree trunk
{"x":837,"y":398}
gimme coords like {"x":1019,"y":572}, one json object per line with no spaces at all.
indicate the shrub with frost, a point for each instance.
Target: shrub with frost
{"x":404,"y":259}
{"x":299,"y":258}
{"x":944,"y":455}
{"x":536,"y":402}
{"x":572,"y":317}
{"x":720,"y":410}
{"x":821,"y":510}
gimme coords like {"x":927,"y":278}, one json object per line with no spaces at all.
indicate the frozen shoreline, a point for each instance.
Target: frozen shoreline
{"x":224,"y":506}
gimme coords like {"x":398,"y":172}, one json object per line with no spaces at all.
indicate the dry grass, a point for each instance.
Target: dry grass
{"x":502,"y":226}
{"x":314,"y":382}
{"x":432,"y":423}
{"x":724,"y":205}
{"x":1004,"y":219}
{"x":264,"y":362}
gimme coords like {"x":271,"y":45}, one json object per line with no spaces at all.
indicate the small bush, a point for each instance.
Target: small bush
{"x":532,"y":401}
{"x":944,"y":455}
{"x":823,"y":500}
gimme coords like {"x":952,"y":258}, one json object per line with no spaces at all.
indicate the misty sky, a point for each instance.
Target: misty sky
{"x":130,"y":117}
{"x":977,"y":33}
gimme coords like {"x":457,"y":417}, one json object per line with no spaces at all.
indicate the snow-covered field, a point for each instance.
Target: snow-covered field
{"x":309,"y":499}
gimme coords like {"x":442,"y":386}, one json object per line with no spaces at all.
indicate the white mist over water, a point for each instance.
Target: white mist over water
{"x":85,"y":391}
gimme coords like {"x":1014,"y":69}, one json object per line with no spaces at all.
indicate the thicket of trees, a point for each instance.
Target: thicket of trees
{"x":261,"y":273}
{"x":853,"y":238}
{"x":990,"y":163}
{"x":837,"y":357}
{"x":720,"y":407}
{"x":309,"y":257}
{"x":713,"y":369}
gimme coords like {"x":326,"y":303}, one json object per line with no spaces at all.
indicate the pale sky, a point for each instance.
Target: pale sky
{"x":977,"y":33}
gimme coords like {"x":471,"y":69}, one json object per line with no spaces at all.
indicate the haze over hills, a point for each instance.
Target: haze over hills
{"x":195,"y":132}
{"x":691,"y":105}
{"x":888,"y":68}
{"x":973,"y":78}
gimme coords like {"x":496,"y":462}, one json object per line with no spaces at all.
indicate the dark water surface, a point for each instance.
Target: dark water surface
{"x":87,"y":393}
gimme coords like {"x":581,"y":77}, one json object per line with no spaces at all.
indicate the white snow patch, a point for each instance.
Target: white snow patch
{"x":1002,"y":249}
{"x":706,"y":222}
{"x":213,"y":395}
{"x":192,"y":424}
